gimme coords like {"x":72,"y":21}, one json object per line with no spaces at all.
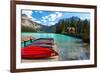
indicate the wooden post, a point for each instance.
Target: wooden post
{"x":31,"y":39}
{"x":24,"y":43}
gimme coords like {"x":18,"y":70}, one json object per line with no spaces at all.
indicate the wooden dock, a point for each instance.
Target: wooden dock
{"x":27,"y":38}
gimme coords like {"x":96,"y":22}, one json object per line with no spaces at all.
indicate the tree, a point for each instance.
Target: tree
{"x":86,"y":30}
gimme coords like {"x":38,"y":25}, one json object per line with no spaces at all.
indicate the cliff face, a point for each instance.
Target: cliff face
{"x":27,"y":25}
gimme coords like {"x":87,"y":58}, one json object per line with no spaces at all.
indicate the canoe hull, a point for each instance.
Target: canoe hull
{"x":36,"y":52}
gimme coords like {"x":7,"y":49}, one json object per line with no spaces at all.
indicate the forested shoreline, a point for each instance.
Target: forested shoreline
{"x":73,"y":26}
{"x":81,"y":28}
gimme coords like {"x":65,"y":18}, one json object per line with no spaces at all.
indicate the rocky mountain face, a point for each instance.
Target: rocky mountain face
{"x":27,"y":25}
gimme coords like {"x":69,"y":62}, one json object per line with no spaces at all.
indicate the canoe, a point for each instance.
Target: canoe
{"x":49,"y":43}
{"x":36,"y":52}
{"x":43,"y":45}
{"x":44,"y":41}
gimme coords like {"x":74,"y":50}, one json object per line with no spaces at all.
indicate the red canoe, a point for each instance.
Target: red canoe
{"x":48,"y":43}
{"x":36,"y":52}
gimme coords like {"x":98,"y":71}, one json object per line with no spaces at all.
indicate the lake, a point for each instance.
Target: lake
{"x":68,"y":48}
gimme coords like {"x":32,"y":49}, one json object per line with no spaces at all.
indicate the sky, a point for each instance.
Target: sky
{"x":49,"y":18}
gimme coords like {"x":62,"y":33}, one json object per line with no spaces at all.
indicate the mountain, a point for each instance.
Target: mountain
{"x":27,"y":25}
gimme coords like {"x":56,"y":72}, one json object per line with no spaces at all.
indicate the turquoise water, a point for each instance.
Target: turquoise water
{"x":69,"y":48}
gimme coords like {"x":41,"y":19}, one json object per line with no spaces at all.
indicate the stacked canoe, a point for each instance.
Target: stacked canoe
{"x":39,"y":49}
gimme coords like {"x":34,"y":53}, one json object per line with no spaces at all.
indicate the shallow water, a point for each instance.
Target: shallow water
{"x":68,"y":48}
